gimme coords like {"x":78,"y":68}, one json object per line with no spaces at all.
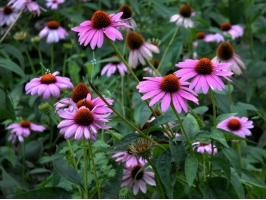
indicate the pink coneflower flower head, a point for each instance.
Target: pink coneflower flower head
{"x":53,"y":4}
{"x":139,"y":49}
{"x":234,"y":30}
{"x":170,"y":89}
{"x":138,"y":180}
{"x":7,"y":15}
{"x":183,"y":18}
{"x":13,"y":138}
{"x":101,"y":24}
{"x":237,"y":125}
{"x":54,"y":31}
{"x":81,"y":122}
{"x":202,"y":147}
{"x":114,"y":66}
{"x":23,"y":129}
{"x":128,"y":158}
{"x":30,"y":5}
{"x":208,"y":38}
{"x":205,"y":74}
{"x":47,"y":85}
{"x":127,"y":17}
{"x":225,"y":53}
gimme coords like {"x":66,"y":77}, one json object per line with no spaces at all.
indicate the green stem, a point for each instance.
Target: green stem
{"x":122,"y":95}
{"x":52,"y":57}
{"x":196,"y":116}
{"x":64,"y":64}
{"x":153,"y":68}
{"x":198,"y":184}
{"x":23,"y":160}
{"x":30,"y":61}
{"x":210,"y":171}
{"x":85,"y":167}
{"x":167,"y":48}
{"x":213,"y":107}
{"x":229,"y":92}
{"x":160,"y":187}
{"x":94,"y":169}
{"x":10,"y":27}
{"x":115,"y":136}
{"x":204,"y":167}
{"x":40,"y":57}
{"x":239,"y":153}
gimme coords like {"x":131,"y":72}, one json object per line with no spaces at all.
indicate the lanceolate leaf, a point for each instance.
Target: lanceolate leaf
{"x":10,"y":65}
{"x":233,"y":159}
{"x":220,"y":163}
{"x":191,"y":126}
{"x":15,"y":52}
{"x":178,"y":151}
{"x":144,"y":114}
{"x":125,"y":141}
{"x":191,"y":168}
{"x":250,"y":179}
{"x":162,"y":120}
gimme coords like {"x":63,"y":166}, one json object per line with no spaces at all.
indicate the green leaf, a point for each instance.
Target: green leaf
{"x":144,"y":114}
{"x":241,"y":112}
{"x":191,"y":126}
{"x":262,"y":140}
{"x":201,"y":110}
{"x":67,"y":171}
{"x":191,"y":168}
{"x":218,"y":136}
{"x":250,"y":179}
{"x":163,"y":164}
{"x":43,"y":193}
{"x":178,"y":151}
{"x":111,"y":188}
{"x":39,"y":171}
{"x":74,"y":69}
{"x":236,"y":183}
{"x":220,"y":163}
{"x":233,"y":159}
{"x":6,"y":109}
{"x":247,"y":106}
{"x":161,"y":120}
{"x":15,"y":52}
{"x":224,"y":116}
{"x":157,"y":150}
{"x":216,"y":188}
{"x":125,"y":141}
{"x":178,"y":190}
{"x":8,"y":184}
{"x":33,"y":150}
{"x":202,"y":21}
{"x":10,"y":65}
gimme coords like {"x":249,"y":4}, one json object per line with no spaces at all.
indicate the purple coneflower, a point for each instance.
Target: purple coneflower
{"x":205,"y":74}
{"x":81,"y":122}
{"x":128,"y":158}
{"x":183,"y":18}
{"x":7,"y":15}
{"x":133,"y":178}
{"x":127,"y":17}
{"x":114,"y":66}
{"x":237,"y":125}
{"x":234,"y":30}
{"x":101,"y":24}
{"x":139,"y":49}
{"x":22,"y":130}
{"x":54,"y":3}
{"x":54,"y":30}
{"x":208,"y":38}
{"x":169,"y":89}
{"x":202,"y":147}
{"x":30,"y":5}
{"x":47,"y":85}
{"x":225,"y":53}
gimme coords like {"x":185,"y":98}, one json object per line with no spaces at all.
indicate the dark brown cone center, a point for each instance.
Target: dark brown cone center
{"x":134,"y":40}
{"x":234,"y":124}
{"x":80,"y":92}
{"x":86,"y":103}
{"x":115,"y":62}
{"x":7,"y":10}
{"x":25,"y":124}
{"x":48,"y":79}
{"x":100,"y":19}
{"x":135,"y":172}
{"x":53,"y":24}
{"x":84,"y":117}
{"x":185,"y":11}
{"x":170,"y":83}
{"x":127,"y":11}
{"x":200,"y":35}
{"x":226,"y":26}
{"x":225,"y":51}
{"x":204,"y":66}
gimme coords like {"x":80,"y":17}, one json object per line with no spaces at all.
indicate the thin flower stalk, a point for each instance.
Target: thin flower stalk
{"x":85,"y":166}
{"x":153,"y":68}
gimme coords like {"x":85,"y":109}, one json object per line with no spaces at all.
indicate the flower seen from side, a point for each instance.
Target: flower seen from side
{"x":128,"y":158}
{"x":22,"y":130}
{"x":127,"y":17}
{"x":54,"y":31}
{"x":208,"y":38}
{"x":7,"y":15}
{"x":47,"y":85}
{"x":234,"y":30}
{"x":30,"y":5}
{"x":139,"y":49}
{"x":149,"y":71}
{"x":81,"y":122}
{"x":132,"y":178}
{"x":225,"y":53}
{"x":114,"y":66}
{"x":204,"y":74}
{"x":236,"y":125}
{"x":183,"y":18}
{"x":53,"y":4}
{"x":170,"y":89}
{"x":202,"y":147}
{"x":101,"y":24}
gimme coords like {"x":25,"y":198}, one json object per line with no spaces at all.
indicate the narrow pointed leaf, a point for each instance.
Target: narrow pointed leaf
{"x":191,"y":168}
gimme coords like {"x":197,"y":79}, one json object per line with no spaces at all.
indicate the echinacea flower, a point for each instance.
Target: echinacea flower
{"x":205,"y":74}
{"x":128,"y":158}
{"x":54,"y":3}
{"x":237,"y":125}
{"x":127,"y":17}
{"x":137,"y":179}
{"x":81,"y":122}
{"x":101,"y":24}
{"x":30,"y":5}
{"x":139,"y":49}
{"x":225,"y":53}
{"x":149,"y":71}
{"x":208,"y":38}
{"x":47,"y":85}
{"x":22,"y":130}
{"x":202,"y":147}
{"x":170,"y":89}
{"x":54,"y":30}
{"x":7,"y":15}
{"x":13,"y":138}
{"x":234,"y":30}
{"x":183,"y":18}
{"x":114,"y":66}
